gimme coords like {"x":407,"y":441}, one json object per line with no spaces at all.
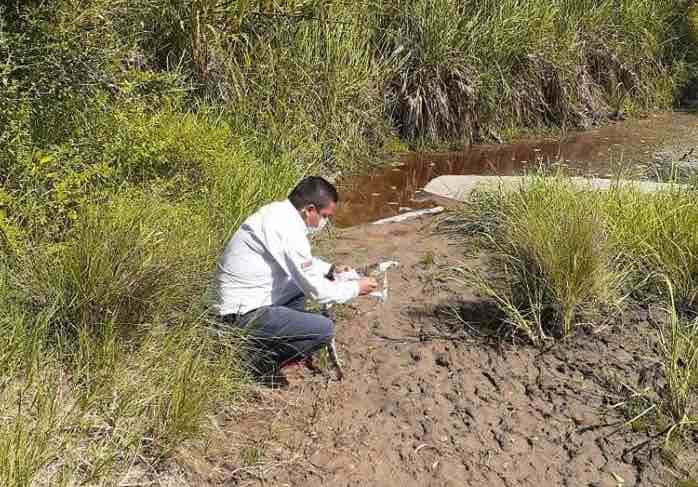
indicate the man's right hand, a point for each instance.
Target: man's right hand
{"x":367,"y":285}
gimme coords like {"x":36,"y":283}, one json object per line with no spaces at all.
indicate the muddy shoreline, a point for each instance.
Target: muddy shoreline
{"x":432,"y":396}
{"x":429,"y":399}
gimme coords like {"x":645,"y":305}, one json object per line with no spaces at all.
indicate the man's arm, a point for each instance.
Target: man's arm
{"x":295,"y":258}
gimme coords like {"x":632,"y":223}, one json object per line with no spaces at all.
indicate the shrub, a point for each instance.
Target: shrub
{"x":431,"y":89}
{"x":125,"y":261}
{"x":656,"y":233}
{"x":132,"y":145}
{"x":551,"y":259}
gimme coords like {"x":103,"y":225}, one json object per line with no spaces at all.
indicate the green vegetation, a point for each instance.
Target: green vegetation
{"x":551,"y":252}
{"x":486,"y":69}
{"x":679,"y":345}
{"x":560,"y":256}
{"x":656,"y":234}
{"x":136,"y":135}
{"x":559,"y":252}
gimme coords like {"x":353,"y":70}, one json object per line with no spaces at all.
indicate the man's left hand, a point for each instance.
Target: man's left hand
{"x":338,"y":269}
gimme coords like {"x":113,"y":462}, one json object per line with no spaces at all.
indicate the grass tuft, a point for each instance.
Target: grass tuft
{"x":550,"y":255}
{"x":678,"y":342}
{"x":655,"y":233}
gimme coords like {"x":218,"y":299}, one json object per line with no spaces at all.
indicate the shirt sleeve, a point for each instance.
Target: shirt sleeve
{"x":293,"y":254}
{"x":322,"y":265}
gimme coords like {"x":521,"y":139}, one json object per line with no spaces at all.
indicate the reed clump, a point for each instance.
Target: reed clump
{"x":654,"y":233}
{"x":558,"y":247}
{"x":551,"y":262}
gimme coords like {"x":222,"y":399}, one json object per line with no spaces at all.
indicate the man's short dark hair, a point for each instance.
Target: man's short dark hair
{"x":313,"y":190}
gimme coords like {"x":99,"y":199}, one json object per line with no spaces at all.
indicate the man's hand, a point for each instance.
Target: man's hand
{"x":339,"y":268}
{"x":367,"y":285}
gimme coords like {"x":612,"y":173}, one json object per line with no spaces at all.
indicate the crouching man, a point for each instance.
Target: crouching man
{"x":267,"y":271}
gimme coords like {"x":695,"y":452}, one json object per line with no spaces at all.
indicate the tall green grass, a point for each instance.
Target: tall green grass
{"x":551,"y":263}
{"x":656,"y":232}
{"x":485,"y":69}
{"x":311,"y":83}
{"x":557,"y":249}
{"x":326,"y":83}
{"x":108,"y":351}
{"x":125,"y":261}
{"x":678,"y":342}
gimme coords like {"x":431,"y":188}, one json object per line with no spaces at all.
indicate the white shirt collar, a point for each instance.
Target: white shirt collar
{"x":296,"y":218}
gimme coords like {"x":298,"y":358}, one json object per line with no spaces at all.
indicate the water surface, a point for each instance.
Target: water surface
{"x":394,"y":189}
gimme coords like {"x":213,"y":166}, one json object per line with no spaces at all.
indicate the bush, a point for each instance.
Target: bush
{"x":105,"y":346}
{"x":125,"y":261}
{"x":180,"y":154}
{"x":551,"y":259}
{"x":656,"y":233}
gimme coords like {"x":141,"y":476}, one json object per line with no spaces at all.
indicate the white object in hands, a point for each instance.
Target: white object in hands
{"x":384,"y":266}
{"x":352,"y":275}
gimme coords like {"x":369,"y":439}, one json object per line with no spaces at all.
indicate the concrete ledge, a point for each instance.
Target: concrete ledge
{"x":460,"y":187}
{"x":409,"y":215}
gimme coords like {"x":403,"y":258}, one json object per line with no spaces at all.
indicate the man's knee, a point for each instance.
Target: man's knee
{"x":297,"y":303}
{"x":323,"y":328}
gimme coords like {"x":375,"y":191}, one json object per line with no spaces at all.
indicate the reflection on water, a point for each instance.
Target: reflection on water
{"x":395,"y":188}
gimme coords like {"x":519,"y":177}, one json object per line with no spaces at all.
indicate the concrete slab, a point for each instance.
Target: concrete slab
{"x":460,"y":187}
{"x":410,"y":215}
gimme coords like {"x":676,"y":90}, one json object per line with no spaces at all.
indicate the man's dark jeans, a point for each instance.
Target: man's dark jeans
{"x":283,"y":333}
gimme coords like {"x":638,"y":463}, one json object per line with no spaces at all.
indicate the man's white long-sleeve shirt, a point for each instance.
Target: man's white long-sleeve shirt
{"x":268,"y":262}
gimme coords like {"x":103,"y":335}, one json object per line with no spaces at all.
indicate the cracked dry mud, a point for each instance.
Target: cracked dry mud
{"x":419,"y":408}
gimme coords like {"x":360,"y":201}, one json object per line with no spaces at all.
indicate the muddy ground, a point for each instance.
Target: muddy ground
{"x":430,"y":399}
{"x":427,"y":400}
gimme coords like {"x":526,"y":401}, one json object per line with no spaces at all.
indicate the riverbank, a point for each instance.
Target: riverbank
{"x":433,"y":395}
{"x":135,"y":137}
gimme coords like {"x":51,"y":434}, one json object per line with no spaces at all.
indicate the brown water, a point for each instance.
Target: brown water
{"x":395,"y":188}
